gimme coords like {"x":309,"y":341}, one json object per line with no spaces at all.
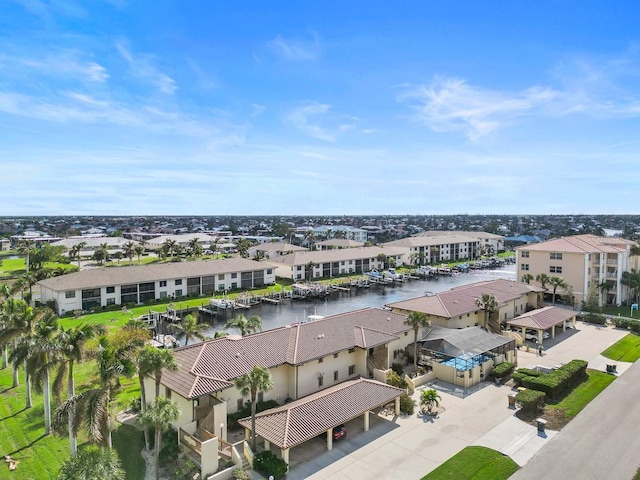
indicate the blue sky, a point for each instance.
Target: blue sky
{"x":420,"y":107}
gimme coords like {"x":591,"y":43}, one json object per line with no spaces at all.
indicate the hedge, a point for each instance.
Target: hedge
{"x":531,"y":400}
{"x":558,"y":382}
{"x":502,"y":370}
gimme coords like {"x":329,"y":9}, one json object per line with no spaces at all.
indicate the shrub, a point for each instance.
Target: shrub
{"x":517,"y":378}
{"x":398,"y":368}
{"x":136,"y":405}
{"x":634,"y":326}
{"x":531,"y":401}
{"x":187,"y":471}
{"x":621,"y":322}
{"x":170,"y":449}
{"x":268,"y":464}
{"x":396,"y":380}
{"x":502,"y":370}
{"x":530,"y":373}
{"x":240,"y":474}
{"x":407,"y":404}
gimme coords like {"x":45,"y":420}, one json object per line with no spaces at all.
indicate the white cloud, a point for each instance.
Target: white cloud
{"x":316,"y":120}
{"x":61,"y":63}
{"x":296,"y":49}
{"x":143,"y":67}
{"x":449,"y":104}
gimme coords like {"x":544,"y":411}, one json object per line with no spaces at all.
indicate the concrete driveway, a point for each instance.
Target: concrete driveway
{"x":410,"y":447}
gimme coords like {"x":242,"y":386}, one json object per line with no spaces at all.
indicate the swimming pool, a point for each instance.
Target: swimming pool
{"x":466,"y":362}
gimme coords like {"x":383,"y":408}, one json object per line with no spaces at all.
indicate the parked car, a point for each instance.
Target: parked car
{"x":339,"y":432}
{"x":533,"y":335}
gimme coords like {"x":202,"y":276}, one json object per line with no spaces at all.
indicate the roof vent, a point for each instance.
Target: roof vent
{"x":237,"y":354}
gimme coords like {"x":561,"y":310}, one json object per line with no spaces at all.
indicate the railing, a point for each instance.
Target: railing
{"x":191,"y":442}
{"x":248,"y":453}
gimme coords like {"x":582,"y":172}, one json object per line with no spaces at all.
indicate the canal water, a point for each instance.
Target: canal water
{"x":296,"y":311}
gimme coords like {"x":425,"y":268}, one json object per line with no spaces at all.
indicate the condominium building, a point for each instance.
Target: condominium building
{"x":581,"y":261}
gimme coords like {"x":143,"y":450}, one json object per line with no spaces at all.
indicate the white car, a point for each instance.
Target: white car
{"x":533,"y":335}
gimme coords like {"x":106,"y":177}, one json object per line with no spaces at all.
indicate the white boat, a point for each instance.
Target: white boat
{"x":374,"y":274}
{"x":392,"y":274}
{"x":164,"y":341}
{"x":221,"y":303}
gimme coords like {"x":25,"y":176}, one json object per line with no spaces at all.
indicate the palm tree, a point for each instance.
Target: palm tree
{"x":21,"y":328}
{"x":195,"y":247}
{"x":246,"y":325}
{"x":92,"y":463}
{"x":416,"y":320}
{"x":72,"y":343}
{"x":309,"y":270}
{"x":189,"y":329}
{"x":382,"y":258}
{"x":129,"y":251}
{"x":489,"y":304}
{"x":24,"y":248}
{"x":76,"y":252}
{"x":91,"y":407}
{"x":159,"y":416}
{"x":101,"y":255}
{"x":11,"y":330}
{"x":257,"y":380}
{"x":429,"y":399}
{"x":118,"y":255}
{"x":557,"y":282}
{"x":150,"y":361}
{"x":543,"y":279}
{"x":242,"y":246}
{"x":526,"y":278}
{"x":631,"y":280}
{"x":5,"y":294}
{"x":40,"y":352}
{"x":171,"y":247}
{"x":605,"y":287}
{"x":139,"y":251}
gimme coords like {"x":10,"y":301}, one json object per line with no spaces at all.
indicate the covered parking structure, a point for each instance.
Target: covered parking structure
{"x":543,"y":319}
{"x":464,"y":357}
{"x":297,"y":422}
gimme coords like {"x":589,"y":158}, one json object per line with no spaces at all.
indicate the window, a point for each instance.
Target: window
{"x":555,"y":269}
{"x":111,"y":301}
{"x":299,"y":267}
{"x":335,"y":355}
{"x":269,"y":270}
{"x":163,"y":294}
{"x":111,"y":289}
{"x":240,"y":404}
{"x":221,"y":277}
{"x":320,"y":381}
{"x":335,"y":376}
{"x":70,"y":294}
{"x":320,"y":360}
{"x":524,"y":266}
{"x":179,"y":293}
{"x":351,"y":350}
{"x":178,"y":282}
{"x":555,"y":256}
{"x":352,"y":369}
{"x":234,"y":275}
{"x":260,"y":397}
{"x":167,"y":393}
{"x":163,"y":283}
{"x":524,"y":254}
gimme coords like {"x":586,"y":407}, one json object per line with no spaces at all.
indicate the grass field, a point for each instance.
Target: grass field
{"x":475,"y":463}
{"x":40,"y":457}
{"x":626,"y":349}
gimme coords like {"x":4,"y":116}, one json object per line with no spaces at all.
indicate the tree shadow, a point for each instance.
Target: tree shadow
{"x":13,"y":414}
{"x":29,"y":445}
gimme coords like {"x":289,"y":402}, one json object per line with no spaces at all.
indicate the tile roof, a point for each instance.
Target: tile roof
{"x":582,"y":244}
{"x":336,"y":255}
{"x":462,"y":300}
{"x":107,"y":276}
{"x":278,"y":247}
{"x":543,"y":318}
{"x":299,"y":421}
{"x":224,"y":359}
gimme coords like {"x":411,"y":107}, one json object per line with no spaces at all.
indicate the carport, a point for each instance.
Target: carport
{"x":297,"y":422}
{"x":543,"y":319}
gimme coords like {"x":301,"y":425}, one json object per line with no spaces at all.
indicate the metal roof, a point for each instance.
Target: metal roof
{"x":463,"y":342}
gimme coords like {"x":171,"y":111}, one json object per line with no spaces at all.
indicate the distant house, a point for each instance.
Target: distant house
{"x":273,"y":249}
{"x":89,"y":289}
{"x":337,"y":243}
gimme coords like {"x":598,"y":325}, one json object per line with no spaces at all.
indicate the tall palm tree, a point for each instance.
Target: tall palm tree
{"x":159,"y":416}
{"x":242,"y":246}
{"x":151,"y":361}
{"x":25,"y":246}
{"x":171,"y":246}
{"x":526,"y":278}
{"x":557,"y":282}
{"x":246,"y":325}
{"x":416,"y":320}
{"x":195,"y":247}
{"x":92,"y":463}
{"x":543,"y":279}
{"x":139,"y":251}
{"x":309,"y":270}
{"x":129,"y":251}
{"x":488,"y":303}
{"x":189,"y":329}
{"x":21,"y":329}
{"x":257,"y":380}
{"x":40,"y":353}
{"x":12,"y":329}
{"x":5,"y":294}
{"x":101,"y":255}
{"x":72,"y":343}
{"x":91,"y":407}
{"x":76,"y":252}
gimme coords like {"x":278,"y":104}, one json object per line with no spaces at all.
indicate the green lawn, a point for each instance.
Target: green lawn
{"x":477,"y":463}
{"x":584,"y":393}
{"x":40,"y":457}
{"x":627,"y":349}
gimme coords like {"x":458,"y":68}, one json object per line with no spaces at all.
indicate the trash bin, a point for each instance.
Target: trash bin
{"x":512,"y":400}
{"x":541,"y":423}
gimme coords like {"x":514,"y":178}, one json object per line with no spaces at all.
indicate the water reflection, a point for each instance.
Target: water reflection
{"x":340,"y":302}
